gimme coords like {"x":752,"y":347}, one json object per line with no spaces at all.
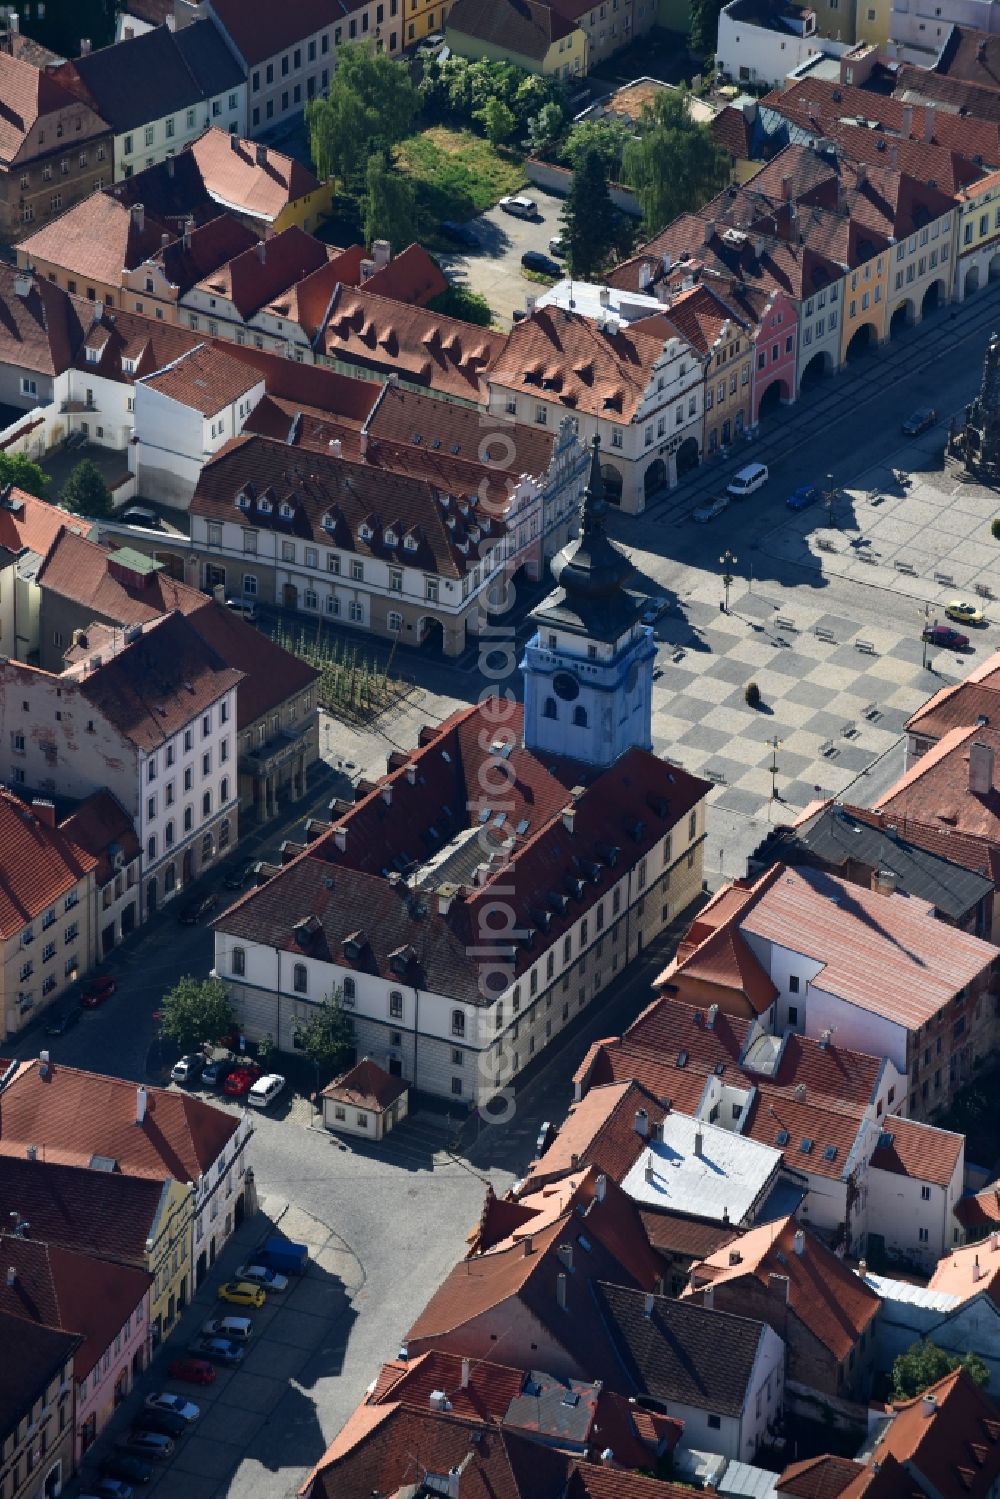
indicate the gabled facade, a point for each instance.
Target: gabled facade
{"x":36,"y":1408}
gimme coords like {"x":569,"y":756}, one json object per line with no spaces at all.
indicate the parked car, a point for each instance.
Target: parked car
{"x":534,"y":260}
{"x":460,"y":233}
{"x":138,"y":515}
{"x":215,"y":1072}
{"x":654,"y":609}
{"x":124,"y":1465}
{"x":112,"y":1488}
{"x":242,"y":875}
{"x":148,"y":1444}
{"x":919,"y":421}
{"x":246,"y":607}
{"x":165,"y":1422}
{"x":241,"y":1079}
{"x":233,"y":1329}
{"x":944,"y":635}
{"x":964,"y":613}
{"x":710,"y":509}
{"x":188,"y":1069}
{"x":175,"y":1404}
{"x":803,"y":497}
{"x":242,"y":1293}
{"x":192,"y":1370}
{"x":282,"y":1255}
{"x":196,"y":910}
{"x":520,"y":207}
{"x":265,"y":1090}
{"x":257,"y":1274}
{"x":61,"y":1021}
{"x":216,"y":1350}
{"x":95,"y":991}
{"x":557,"y":246}
{"x":749,"y":478}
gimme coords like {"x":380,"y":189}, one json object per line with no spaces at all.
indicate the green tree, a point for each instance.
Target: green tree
{"x":497,"y":120}
{"x":372,"y":105}
{"x":673,"y":164}
{"x":588,"y":217}
{"x":18,"y":470}
{"x":703,"y":31}
{"x":924,"y":1363}
{"x":545,"y":128}
{"x":390,"y":203}
{"x":85,"y":492}
{"x":327,"y":1037}
{"x":196,"y":1012}
{"x":462,"y":302}
{"x":607,"y":137}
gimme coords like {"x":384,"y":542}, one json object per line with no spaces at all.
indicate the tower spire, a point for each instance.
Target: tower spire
{"x":595,"y":506}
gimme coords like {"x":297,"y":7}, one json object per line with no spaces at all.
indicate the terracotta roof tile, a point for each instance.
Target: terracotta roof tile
{"x":920,"y":1151}
{"x":38,"y":865}
{"x":485,"y":1397}
{"x":366,"y":1085}
{"x":264,"y":275}
{"x":935,"y":790}
{"x":100,"y":824}
{"x":670,"y":1234}
{"x":823,"y":1477}
{"x":969,"y":1270}
{"x":823,"y":1293}
{"x":95,"y":1212}
{"x":260,"y":29}
{"x":27,"y":522}
{"x":732,"y":132}
{"x":29,"y":94}
{"x":980,"y":1213}
{"x":205,"y":378}
{"x":595,"y":1481}
{"x":598,"y":1131}
{"x":229,"y":167}
{"x":916,"y":85}
{"x":72,"y":1116}
{"x":100,"y":580}
{"x":58,"y":1287}
{"x":526,"y":27}
{"x":38,"y":331}
{"x":41,"y":1354}
{"x":412,"y":276}
{"x":270,"y":674}
{"x":96,"y":239}
{"x":956,"y":1450}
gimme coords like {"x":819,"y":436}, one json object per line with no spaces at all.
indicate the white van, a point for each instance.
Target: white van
{"x":234,"y":1329}
{"x":747,"y":480}
{"x":265,"y":1090}
{"x":246,"y":607}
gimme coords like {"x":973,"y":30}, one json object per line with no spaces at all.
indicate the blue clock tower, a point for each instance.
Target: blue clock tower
{"x":588,"y":668}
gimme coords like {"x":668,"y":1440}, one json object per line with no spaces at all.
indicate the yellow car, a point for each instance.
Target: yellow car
{"x":242,"y":1293}
{"x":966,"y":614}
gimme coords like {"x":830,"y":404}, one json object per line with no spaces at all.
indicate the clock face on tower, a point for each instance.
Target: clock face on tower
{"x":565,"y":685}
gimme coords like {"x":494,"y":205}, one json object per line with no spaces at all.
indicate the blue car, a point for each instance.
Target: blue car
{"x":800,"y":498}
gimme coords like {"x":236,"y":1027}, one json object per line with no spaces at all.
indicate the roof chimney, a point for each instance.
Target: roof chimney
{"x":976,"y":1270}
{"x":799,"y":1242}
{"x":650,"y":1172}
{"x":164,"y":240}
{"x":708,"y":1298}
{"x":336,"y":447}
{"x":340,"y":838}
{"x":568,"y":817}
{"x":779,"y":1286}
{"x":530,"y":303}
{"x":601,"y":1187}
{"x":786,"y":189}
{"x":85,"y":46}
{"x":929,"y":123}
{"x":138,"y":216}
{"x":260,"y":155}
{"x":884,"y":881}
{"x":980,"y":769}
{"x":234,"y":144}
{"x":709,"y":231}
{"x":699,"y":1143}
{"x":439,"y":1400}
{"x":735,"y":1258}
{"x":645,"y":276}
{"x":862,"y":1268}
{"x":170,"y":166}
{"x":45,"y":811}
{"x":561,"y":1290}
{"x":381,"y":253}
{"x":565,"y":1252}
{"x":929,"y":1404}
{"x":261,"y":251}
{"x":11,"y":1275}
{"x":906,"y":124}
{"x":141,"y":1099}
{"x":650,"y":1302}
{"x":605,"y":296}
{"x":608,"y":1457}
{"x":22,"y":284}
{"x":641,"y":1123}
{"x":528,"y":1246}
{"x":466,"y":1371}
{"x":713,"y":1015}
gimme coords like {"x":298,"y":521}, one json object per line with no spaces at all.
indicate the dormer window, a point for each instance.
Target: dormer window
{"x":243,"y":500}
{"x":128,"y":366}
{"x":354,"y":946}
{"x":364,"y":532}
{"x":265,"y":507}
{"x":286,"y":512}
{"x":389,"y":536}
{"x":328,"y":523}
{"x":410,"y":543}
{"x":93,"y":356}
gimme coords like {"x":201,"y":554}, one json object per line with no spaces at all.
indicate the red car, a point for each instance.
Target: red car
{"x":242,"y":1079}
{"x":194,"y":1370}
{"x":96,"y":991}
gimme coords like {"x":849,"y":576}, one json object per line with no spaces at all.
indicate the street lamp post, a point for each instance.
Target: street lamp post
{"x":727,"y":562}
{"x":831,"y":495}
{"x":775,"y":744}
{"x":923,"y":634}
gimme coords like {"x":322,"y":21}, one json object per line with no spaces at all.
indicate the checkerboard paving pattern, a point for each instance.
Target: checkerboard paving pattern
{"x":833,"y":706}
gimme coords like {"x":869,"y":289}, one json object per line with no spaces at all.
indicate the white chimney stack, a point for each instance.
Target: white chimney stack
{"x":601,"y":1187}
{"x":11,"y":1275}
{"x":799,"y":1241}
{"x":642,"y":1123}
{"x":466,"y":1371}
{"x":141,"y":1099}
{"x":650,"y":1302}
{"x":708,"y":1298}
{"x":929,"y":1405}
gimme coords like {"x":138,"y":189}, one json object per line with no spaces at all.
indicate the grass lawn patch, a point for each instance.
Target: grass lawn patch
{"x":540,"y":277}
{"x":457,"y":174}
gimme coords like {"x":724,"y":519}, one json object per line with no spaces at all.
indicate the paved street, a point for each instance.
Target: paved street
{"x":495,"y":270}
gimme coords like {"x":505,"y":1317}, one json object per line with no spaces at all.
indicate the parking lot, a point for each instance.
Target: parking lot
{"x":495,"y":270}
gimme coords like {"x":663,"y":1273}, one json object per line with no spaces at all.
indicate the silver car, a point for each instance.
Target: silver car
{"x":521,"y":208}
{"x":710,"y":509}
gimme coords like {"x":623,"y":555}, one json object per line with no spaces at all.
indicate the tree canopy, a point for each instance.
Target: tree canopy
{"x":924,"y":1363}
{"x":673,"y":162}
{"x":703,"y":31}
{"x":18,"y":470}
{"x":196,"y":1012}
{"x":607,"y":137}
{"x":390,"y":204}
{"x":497,"y":120}
{"x":85,"y":492}
{"x":327,"y":1037}
{"x":372,"y":105}
{"x":457,"y":91}
{"x":589,"y":219}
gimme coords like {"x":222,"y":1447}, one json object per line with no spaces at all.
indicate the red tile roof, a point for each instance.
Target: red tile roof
{"x":39,"y":864}
{"x":229,"y":167}
{"x":412,"y":276}
{"x":598,"y":1131}
{"x":920,"y":1151}
{"x":42,"y":1352}
{"x":271,"y":676}
{"x":58,"y":1287}
{"x":96,"y":1212}
{"x":566,"y":359}
{"x":72,"y":1116}
{"x":38,"y":331}
{"x":823,"y":1477}
{"x":969,"y":1270}
{"x":915,"y":85}
{"x":732,"y":132}
{"x":690,"y":1238}
{"x":956,"y":1448}
{"x":99,"y":579}
{"x":101,"y":826}
{"x":96,"y":240}
{"x":195,"y":254}
{"x":260,"y":29}
{"x":29,"y":94}
{"x":263,"y":275}
{"x":366,"y":1085}
{"x":935,"y":790}
{"x":129,"y":346}
{"x":833,"y":1303}
{"x":527,"y":28}
{"x":205,"y":378}
{"x":373,"y":333}
{"x":484,"y":1397}
{"x":978,"y":1215}
{"x":27,"y":522}
{"x":958,"y":706}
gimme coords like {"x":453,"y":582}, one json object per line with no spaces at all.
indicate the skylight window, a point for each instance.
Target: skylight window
{"x":781,"y":1138}
{"x":806,"y":1145}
